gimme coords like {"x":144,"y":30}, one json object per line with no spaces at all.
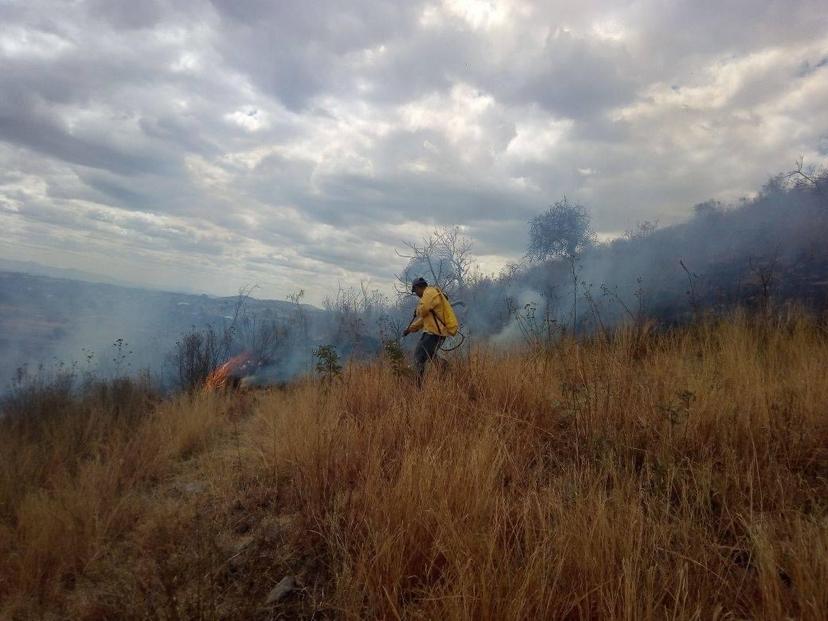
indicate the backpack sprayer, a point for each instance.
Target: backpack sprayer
{"x":459,"y":333}
{"x":442,"y":325}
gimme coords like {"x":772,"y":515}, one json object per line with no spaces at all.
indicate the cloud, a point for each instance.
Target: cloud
{"x":213,"y":144}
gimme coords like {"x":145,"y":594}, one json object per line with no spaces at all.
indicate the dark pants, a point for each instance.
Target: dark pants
{"x":426,"y":351}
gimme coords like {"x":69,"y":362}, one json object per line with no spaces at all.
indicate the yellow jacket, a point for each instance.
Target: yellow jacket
{"x":434,"y":314}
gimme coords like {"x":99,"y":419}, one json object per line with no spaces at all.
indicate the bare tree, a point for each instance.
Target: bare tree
{"x":444,"y":259}
{"x":808,"y":175}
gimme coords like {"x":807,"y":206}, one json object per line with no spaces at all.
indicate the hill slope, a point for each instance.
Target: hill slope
{"x":682,"y":475}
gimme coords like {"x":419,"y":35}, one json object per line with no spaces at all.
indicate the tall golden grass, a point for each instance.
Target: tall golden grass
{"x":677,"y":475}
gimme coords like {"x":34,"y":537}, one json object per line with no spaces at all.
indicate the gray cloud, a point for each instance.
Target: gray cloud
{"x":297,"y":144}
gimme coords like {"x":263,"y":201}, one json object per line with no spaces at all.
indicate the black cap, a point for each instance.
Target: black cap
{"x":418,"y":282}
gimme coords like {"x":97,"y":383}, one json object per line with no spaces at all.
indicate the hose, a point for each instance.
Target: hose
{"x":453,"y":347}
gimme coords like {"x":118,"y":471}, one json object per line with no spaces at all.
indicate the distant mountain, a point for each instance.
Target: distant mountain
{"x":51,"y":319}
{"x":38,"y":269}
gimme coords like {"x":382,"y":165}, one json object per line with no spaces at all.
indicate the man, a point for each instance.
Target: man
{"x":435,"y":317}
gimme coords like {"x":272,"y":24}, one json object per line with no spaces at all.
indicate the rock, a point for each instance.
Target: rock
{"x":284,"y":588}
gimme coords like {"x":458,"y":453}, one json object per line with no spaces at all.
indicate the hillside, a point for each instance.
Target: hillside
{"x":44,"y":320}
{"x":677,"y":475}
{"x":759,"y":254}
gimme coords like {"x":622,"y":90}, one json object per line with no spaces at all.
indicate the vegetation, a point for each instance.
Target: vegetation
{"x":327,"y":362}
{"x":562,"y":231}
{"x":759,"y":253}
{"x":640,"y":475}
{"x":197,"y":354}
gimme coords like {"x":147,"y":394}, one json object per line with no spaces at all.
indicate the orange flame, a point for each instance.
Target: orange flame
{"x":234,"y":368}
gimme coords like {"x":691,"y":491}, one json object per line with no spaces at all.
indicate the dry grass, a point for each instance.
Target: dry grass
{"x":680,"y":475}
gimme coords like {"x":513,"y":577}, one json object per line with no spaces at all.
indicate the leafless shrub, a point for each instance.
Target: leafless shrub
{"x":444,"y":259}
{"x":642,"y":230}
{"x":353,"y":312}
{"x":810,"y":176}
{"x":595,"y":310}
{"x":765,"y":270}
{"x":201,"y":351}
{"x":299,"y":319}
{"x":198,"y":353}
{"x":261,"y":337}
{"x":538,"y":329}
{"x":692,"y":293}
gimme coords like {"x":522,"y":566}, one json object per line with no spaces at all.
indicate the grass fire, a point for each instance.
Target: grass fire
{"x":231,"y":373}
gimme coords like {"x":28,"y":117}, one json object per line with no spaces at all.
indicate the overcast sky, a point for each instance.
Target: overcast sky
{"x":204,"y":145}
